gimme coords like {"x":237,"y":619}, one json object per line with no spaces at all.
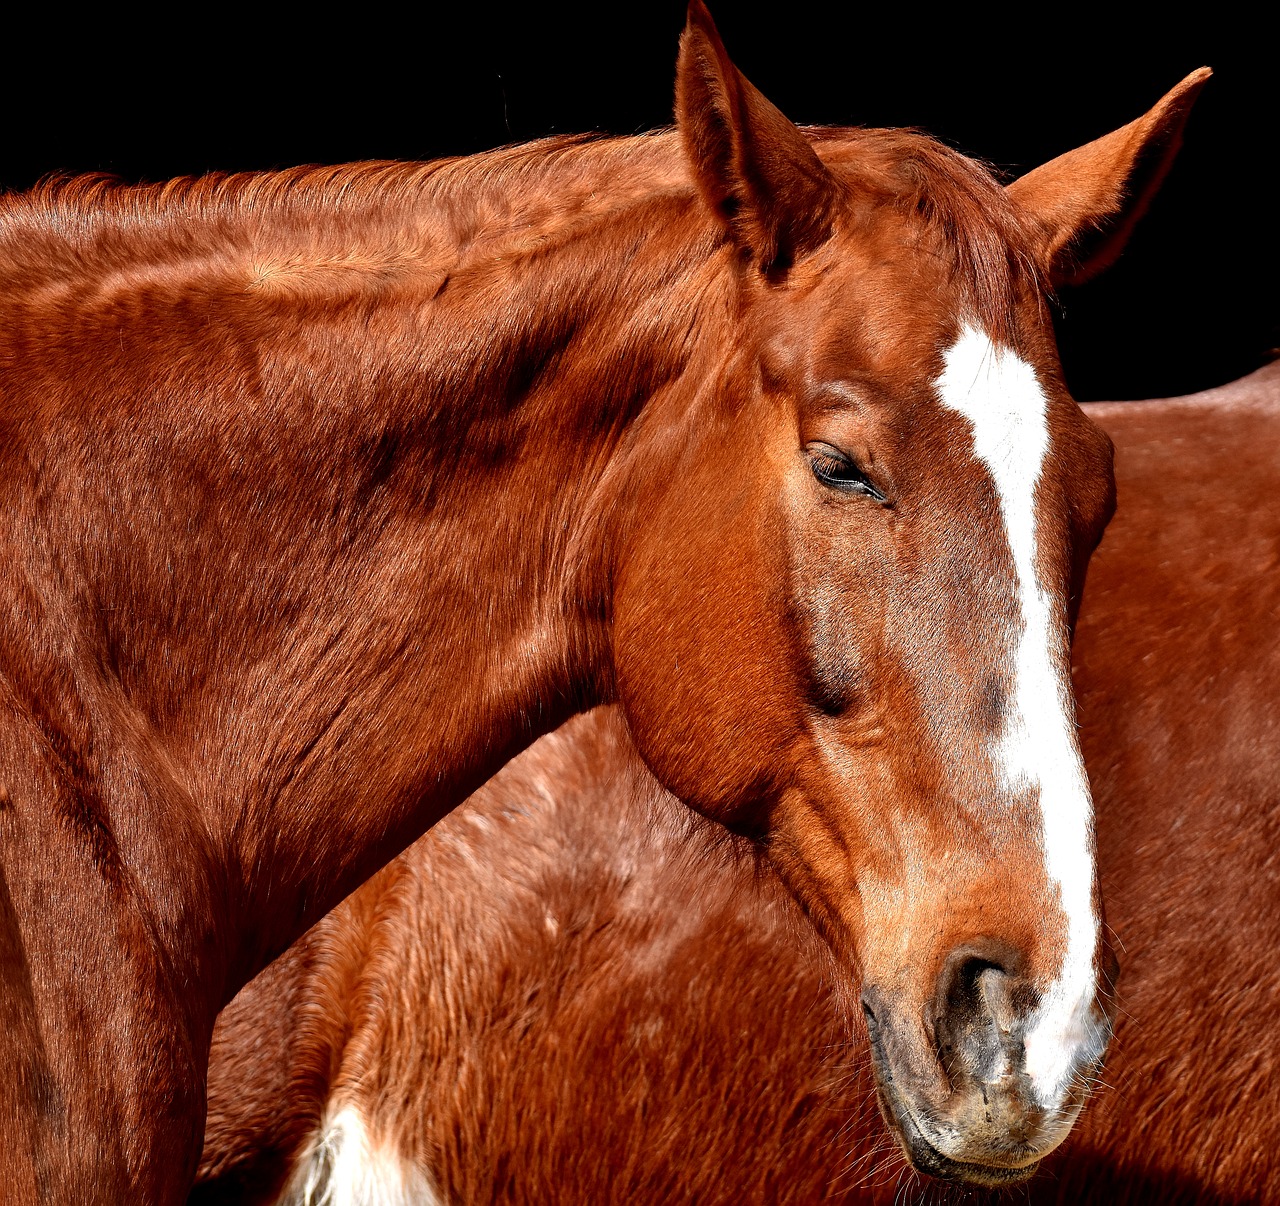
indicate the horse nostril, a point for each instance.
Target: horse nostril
{"x":997,"y":990}
{"x":968,"y":978}
{"x":978,"y":1006}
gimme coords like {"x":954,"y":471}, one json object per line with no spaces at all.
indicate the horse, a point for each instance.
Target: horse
{"x":575,"y":990}
{"x":328,"y":491}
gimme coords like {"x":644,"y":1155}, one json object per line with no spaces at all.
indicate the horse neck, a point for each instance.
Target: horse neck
{"x":379,"y":563}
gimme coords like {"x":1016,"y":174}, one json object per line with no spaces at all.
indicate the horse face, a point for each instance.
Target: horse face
{"x":846,"y":629}
{"x":937,"y":818}
{"x":888,"y":682}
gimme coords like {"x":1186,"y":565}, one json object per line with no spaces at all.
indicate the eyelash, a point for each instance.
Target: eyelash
{"x":839,"y":472}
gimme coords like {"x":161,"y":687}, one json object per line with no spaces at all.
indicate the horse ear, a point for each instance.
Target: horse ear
{"x":754,"y":168}
{"x":1086,"y":203}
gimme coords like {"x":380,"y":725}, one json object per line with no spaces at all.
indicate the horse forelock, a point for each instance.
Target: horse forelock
{"x":987,"y":246}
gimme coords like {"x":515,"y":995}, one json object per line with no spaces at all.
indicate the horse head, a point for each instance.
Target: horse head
{"x":844,"y":625}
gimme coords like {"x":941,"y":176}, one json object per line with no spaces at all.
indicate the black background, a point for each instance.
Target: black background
{"x":1192,"y":303}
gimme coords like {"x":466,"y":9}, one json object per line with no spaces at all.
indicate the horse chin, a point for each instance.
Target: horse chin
{"x":922,"y":1155}
{"x":925,"y":1158}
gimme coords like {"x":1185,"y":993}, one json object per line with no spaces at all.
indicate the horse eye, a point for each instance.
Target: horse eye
{"x":835,"y":469}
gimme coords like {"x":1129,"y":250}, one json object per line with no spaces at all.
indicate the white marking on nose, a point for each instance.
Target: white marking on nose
{"x":1002,"y":398}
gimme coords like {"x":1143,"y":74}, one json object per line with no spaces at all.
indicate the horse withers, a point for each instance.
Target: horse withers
{"x":328,"y":491}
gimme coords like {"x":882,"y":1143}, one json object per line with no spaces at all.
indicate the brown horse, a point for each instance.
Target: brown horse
{"x":573,"y":991}
{"x":326,"y":492}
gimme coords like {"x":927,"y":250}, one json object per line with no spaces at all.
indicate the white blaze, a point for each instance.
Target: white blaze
{"x":1002,"y":398}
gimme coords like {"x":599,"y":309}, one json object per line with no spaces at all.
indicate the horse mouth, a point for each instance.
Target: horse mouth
{"x":920,"y":1152}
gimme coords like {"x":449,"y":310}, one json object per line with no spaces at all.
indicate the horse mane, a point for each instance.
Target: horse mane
{"x":387,"y":217}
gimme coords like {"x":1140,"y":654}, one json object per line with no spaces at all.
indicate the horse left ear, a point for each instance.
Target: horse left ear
{"x":1086,"y":203}
{"x":754,"y":168}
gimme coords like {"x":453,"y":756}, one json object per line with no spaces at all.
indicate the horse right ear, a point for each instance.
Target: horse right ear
{"x":755,"y":169}
{"x":1085,"y":204}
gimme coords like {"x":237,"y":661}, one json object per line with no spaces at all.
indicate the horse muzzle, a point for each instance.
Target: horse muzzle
{"x":955,"y":1090}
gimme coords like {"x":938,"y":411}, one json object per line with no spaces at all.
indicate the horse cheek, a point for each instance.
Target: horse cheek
{"x":705,"y":669}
